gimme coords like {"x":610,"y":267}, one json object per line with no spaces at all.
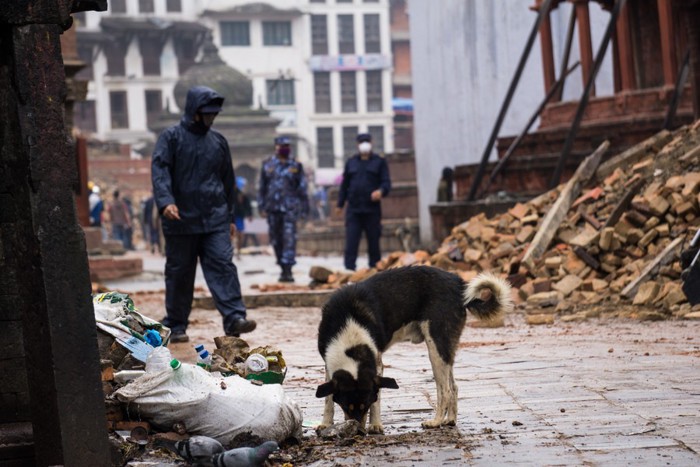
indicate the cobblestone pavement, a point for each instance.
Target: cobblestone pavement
{"x":598,"y":392}
{"x":606,"y":392}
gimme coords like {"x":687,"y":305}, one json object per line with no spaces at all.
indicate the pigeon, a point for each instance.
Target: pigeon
{"x":245,"y":457}
{"x":197,"y":450}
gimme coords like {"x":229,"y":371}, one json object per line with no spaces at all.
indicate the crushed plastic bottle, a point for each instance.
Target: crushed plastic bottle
{"x":256,"y":363}
{"x":158,"y":360}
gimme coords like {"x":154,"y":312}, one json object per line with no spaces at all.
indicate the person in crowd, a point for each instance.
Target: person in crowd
{"x":120,"y":219}
{"x":194,"y":191}
{"x":365,"y":182}
{"x":444,"y":191}
{"x":282,"y":199}
{"x":96,"y":206}
{"x":242,"y":210}
{"x":151,"y":221}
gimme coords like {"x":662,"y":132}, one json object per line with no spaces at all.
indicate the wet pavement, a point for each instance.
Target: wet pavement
{"x":599,"y":392}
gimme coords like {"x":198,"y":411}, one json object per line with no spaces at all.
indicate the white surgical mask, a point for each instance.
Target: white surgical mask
{"x":365,"y":147}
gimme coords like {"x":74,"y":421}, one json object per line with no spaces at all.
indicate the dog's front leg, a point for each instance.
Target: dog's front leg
{"x":375,"y":411}
{"x":328,"y":412}
{"x":328,"y":409}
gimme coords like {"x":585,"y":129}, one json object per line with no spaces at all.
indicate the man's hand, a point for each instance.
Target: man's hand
{"x":233,"y":230}
{"x":376,"y":195}
{"x":338,"y":211}
{"x":171,"y":212}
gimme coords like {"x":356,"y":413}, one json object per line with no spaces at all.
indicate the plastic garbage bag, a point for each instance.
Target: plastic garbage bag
{"x":211,"y":405}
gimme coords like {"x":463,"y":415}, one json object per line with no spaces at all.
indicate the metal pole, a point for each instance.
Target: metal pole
{"x":567,"y":49}
{"x":678,"y":90}
{"x":586,"y":94}
{"x":552,"y":91}
{"x":544,"y":10}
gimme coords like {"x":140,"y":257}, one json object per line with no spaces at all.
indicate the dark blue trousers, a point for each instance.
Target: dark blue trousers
{"x":355,"y":223}
{"x":215,"y":254}
{"x":282,"y":229}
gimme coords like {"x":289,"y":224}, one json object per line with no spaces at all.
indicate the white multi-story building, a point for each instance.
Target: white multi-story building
{"x":323,"y":67}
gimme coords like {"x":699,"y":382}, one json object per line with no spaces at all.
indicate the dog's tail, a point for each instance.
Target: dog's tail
{"x":499,"y":300}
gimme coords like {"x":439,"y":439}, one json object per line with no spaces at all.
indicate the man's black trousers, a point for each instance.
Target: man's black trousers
{"x":355,"y":223}
{"x":215,"y":253}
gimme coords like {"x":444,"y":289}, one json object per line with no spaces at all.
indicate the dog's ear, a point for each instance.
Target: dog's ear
{"x":388,"y":383}
{"x":326,"y":389}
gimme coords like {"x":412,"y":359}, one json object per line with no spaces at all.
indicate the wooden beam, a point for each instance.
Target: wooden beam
{"x":662,"y":258}
{"x":546,"y":44}
{"x":557,"y":212}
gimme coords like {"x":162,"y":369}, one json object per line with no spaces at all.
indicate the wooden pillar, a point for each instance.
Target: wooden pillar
{"x":584,"y":39}
{"x":623,"y":42}
{"x":668,"y":55}
{"x":547,"y":49}
{"x":48,"y":324}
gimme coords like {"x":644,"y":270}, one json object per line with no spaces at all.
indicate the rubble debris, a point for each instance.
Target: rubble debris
{"x":626,"y":229}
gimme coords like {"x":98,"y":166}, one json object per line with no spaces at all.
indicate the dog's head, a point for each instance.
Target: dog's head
{"x":355,"y":396}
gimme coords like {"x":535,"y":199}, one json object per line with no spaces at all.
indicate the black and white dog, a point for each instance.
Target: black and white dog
{"x":417,"y":303}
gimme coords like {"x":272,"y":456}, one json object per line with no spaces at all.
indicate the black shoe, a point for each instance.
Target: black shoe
{"x":241,"y":326}
{"x":286,"y":275}
{"x":179,"y":336}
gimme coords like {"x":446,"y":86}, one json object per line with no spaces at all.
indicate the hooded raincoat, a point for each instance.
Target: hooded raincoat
{"x":192,"y":169}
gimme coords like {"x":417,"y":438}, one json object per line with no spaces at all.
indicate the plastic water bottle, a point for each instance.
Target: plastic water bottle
{"x":204,"y":360}
{"x":203,"y":357}
{"x":175,"y":364}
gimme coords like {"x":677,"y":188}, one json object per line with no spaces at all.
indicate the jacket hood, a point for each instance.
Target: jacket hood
{"x":197,"y":97}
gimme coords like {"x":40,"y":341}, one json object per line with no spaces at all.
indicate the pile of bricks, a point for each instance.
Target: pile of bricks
{"x":618,"y":242}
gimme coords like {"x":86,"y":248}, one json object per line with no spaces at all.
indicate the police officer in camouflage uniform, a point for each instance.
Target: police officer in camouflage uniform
{"x":282,"y":198}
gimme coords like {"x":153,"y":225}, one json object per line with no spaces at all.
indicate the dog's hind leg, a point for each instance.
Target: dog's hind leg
{"x":375,"y":412}
{"x":445,"y":413}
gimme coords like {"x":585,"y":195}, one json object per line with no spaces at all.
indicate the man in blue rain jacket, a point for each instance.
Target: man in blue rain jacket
{"x":193,"y":187}
{"x":365,"y":182}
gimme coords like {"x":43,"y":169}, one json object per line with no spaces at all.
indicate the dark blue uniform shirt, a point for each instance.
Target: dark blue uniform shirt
{"x":360,"y":179}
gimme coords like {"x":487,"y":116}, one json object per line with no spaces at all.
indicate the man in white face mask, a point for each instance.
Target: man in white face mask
{"x":365,"y":182}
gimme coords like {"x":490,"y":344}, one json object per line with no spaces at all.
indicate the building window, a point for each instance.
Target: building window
{"x":150,"y":56}
{"x":154,"y":105}
{"x":349,"y":140}
{"x":84,"y":116}
{"x":119,"y":109}
{"x":235,"y":32}
{"x":115,"y":53}
{"x":280,"y":92}
{"x":324,"y":147}
{"x":348,"y":91}
{"x":173,"y":6}
{"x":118,"y":6}
{"x":146,"y":6}
{"x":343,"y":1}
{"x":322,"y":92}
{"x":374,"y":91}
{"x":371,"y":1}
{"x":319,"y":35}
{"x":377,"y":133}
{"x":317,"y":1}
{"x":277,"y":33}
{"x":346,"y":34}
{"x":372,"y":35}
